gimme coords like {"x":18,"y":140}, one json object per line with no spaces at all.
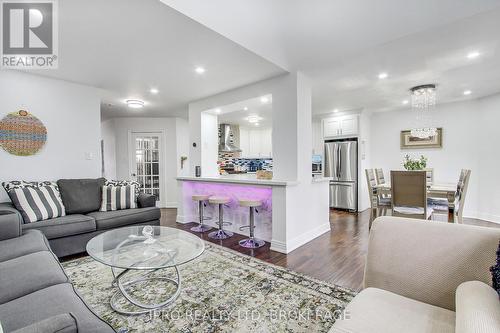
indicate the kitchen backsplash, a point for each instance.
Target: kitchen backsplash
{"x":248,"y":164}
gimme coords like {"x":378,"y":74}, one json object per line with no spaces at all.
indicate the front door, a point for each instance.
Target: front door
{"x":146,"y":163}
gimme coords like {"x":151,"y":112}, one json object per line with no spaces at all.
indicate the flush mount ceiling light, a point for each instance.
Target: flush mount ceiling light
{"x":473,"y":55}
{"x":245,"y":108}
{"x":135,"y":103}
{"x":382,"y":76}
{"x":335,"y":110}
{"x":254,"y":119}
{"x":467,"y":92}
{"x":423,"y":101}
{"x":218,"y":110}
{"x":405,"y":102}
{"x":199,"y":70}
{"x":264,"y":100}
{"x":154,"y":91}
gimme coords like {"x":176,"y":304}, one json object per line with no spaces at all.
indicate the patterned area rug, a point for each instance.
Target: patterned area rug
{"x":222,"y":291}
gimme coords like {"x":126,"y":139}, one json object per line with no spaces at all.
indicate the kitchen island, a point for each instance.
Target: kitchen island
{"x":271,"y":217}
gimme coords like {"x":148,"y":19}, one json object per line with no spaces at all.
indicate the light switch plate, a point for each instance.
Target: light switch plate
{"x":89,"y":156}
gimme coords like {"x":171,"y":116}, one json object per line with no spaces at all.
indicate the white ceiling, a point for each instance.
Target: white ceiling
{"x":235,"y":114}
{"x":342,"y":45}
{"x":127,"y":47}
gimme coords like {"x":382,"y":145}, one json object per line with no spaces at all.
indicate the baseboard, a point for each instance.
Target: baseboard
{"x":300,"y":240}
{"x":482,"y":216}
{"x":185,"y":219}
{"x":171,"y":205}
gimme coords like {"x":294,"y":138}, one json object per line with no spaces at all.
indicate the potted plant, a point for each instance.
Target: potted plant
{"x":410,"y":163}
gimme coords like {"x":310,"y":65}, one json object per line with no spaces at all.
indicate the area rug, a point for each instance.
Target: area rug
{"x":222,"y":291}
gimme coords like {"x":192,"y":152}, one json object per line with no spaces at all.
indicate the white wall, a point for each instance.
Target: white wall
{"x":182,"y":135}
{"x":108,"y":136}
{"x":71,"y":114}
{"x":470,"y":140}
{"x":175,"y":145}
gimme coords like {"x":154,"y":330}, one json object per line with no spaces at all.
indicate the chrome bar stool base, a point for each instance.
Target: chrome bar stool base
{"x":251,"y":243}
{"x":201,"y":199}
{"x":220,"y":233}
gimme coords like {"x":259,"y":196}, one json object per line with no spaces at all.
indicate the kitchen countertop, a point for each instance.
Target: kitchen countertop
{"x":250,"y":179}
{"x":241,"y":179}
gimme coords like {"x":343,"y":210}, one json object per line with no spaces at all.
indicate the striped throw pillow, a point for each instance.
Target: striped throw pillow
{"x":118,"y":197}
{"x":37,"y":203}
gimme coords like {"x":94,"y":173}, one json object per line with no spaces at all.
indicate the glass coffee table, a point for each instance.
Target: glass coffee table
{"x":144,"y":249}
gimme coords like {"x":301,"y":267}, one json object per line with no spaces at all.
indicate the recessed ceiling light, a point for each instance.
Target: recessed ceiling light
{"x":256,"y":124}
{"x":467,"y":92}
{"x":473,"y":55}
{"x":245,"y":108}
{"x":383,"y":76}
{"x":217,"y":110}
{"x":134,"y":103}
{"x":405,"y":102}
{"x":154,"y":91}
{"x":264,"y":100}
{"x":335,"y":110}
{"x":199,"y":70}
{"x":253,"y":118}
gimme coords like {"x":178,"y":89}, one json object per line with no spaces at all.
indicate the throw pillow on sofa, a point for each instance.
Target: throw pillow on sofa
{"x":81,"y":196}
{"x":124,"y":183}
{"x":36,"y":201}
{"x":118,"y":197}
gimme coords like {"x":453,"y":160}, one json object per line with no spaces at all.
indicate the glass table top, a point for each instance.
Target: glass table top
{"x":145,"y":247}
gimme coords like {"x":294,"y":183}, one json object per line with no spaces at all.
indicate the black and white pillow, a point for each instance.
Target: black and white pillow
{"x":36,"y":203}
{"x":124,"y":183}
{"x":118,"y":197}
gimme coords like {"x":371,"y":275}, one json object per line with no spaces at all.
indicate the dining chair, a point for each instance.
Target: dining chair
{"x":429,"y":172}
{"x":440,"y":205}
{"x":379,"y":173}
{"x":462,"y":186}
{"x":378,"y":205}
{"x":409,"y":194}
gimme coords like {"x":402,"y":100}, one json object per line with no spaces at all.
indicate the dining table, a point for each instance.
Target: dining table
{"x":435,"y":190}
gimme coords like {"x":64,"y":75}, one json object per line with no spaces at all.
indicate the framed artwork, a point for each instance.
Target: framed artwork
{"x":410,"y":142}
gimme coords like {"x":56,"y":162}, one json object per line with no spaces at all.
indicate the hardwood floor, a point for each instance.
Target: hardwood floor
{"x":337,"y":257}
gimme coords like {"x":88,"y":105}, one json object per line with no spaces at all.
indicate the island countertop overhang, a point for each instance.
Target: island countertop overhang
{"x":240,"y":180}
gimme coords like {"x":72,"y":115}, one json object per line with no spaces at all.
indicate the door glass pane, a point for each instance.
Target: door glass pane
{"x":147,"y":163}
{"x":140,"y":169}
{"x":156,"y":156}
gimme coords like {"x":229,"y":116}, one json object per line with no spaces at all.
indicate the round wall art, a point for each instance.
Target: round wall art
{"x":22,"y":134}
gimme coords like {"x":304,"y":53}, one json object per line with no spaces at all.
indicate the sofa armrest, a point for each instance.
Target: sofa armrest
{"x":478,"y":308}
{"x":428,"y":260}
{"x":146,"y":200}
{"x":10,"y":222}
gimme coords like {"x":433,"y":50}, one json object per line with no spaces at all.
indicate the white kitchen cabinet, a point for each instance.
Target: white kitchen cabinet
{"x":256,"y":143}
{"x":340,"y":126}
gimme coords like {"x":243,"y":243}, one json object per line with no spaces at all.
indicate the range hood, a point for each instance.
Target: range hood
{"x":229,"y":138}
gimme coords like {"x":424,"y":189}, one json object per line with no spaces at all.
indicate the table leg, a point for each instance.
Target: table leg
{"x":145,"y":307}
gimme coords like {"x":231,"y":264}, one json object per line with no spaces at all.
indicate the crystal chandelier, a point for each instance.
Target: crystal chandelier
{"x":423,"y":101}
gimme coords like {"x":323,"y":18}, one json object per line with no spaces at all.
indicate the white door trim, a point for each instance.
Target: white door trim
{"x":131,"y":157}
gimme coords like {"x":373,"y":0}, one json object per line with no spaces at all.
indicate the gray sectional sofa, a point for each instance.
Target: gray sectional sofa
{"x":35,"y":293}
{"x":69,"y":234}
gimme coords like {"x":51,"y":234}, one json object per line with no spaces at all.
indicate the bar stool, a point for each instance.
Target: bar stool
{"x":252,"y":242}
{"x":201,"y":199}
{"x":220,"y":233}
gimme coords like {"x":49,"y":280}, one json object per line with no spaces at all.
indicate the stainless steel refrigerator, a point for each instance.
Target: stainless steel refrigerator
{"x":341,"y":163}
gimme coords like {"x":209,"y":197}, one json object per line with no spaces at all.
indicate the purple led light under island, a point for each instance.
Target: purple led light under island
{"x":234,"y":191}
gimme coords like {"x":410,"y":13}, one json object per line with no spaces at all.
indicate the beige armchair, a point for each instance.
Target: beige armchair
{"x":426,"y":277}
